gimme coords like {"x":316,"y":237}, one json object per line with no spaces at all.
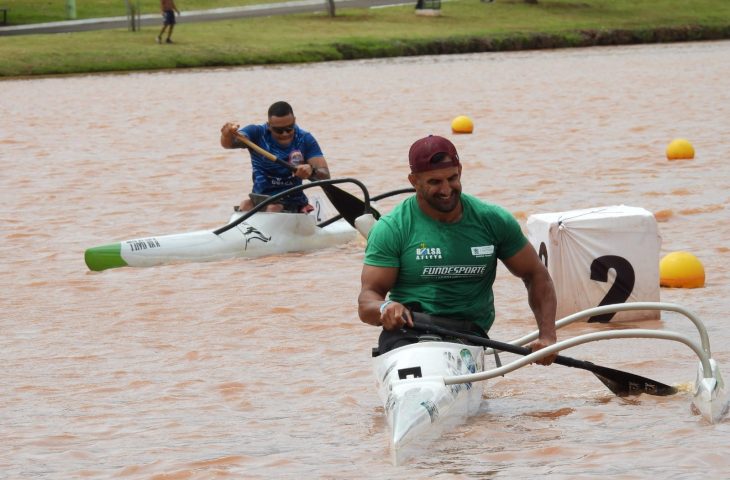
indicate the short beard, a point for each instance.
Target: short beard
{"x":443,"y":207}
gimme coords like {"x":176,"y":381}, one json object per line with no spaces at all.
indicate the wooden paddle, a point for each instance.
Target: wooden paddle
{"x":349,"y":206}
{"x":620,"y":383}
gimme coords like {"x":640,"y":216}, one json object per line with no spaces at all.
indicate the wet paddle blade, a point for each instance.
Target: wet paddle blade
{"x":349,"y":206}
{"x":625,"y":384}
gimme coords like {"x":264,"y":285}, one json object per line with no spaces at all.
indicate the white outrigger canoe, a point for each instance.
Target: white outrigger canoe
{"x":417,"y":386}
{"x":418,"y":404}
{"x":261,"y":234}
{"x":250,"y":234}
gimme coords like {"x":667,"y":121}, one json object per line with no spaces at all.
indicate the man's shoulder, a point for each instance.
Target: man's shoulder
{"x":254,"y":127}
{"x":255,"y":132}
{"x":401,"y":209}
{"x":306,"y":141}
{"x":395,"y":217}
{"x":306,"y":136}
{"x":483,"y":206}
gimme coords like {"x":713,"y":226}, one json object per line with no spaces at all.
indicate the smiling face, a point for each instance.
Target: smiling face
{"x":282,"y":128}
{"x":439,"y":192}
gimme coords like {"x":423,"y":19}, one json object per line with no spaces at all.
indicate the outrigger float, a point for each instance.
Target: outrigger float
{"x":429,"y":386}
{"x":250,"y":234}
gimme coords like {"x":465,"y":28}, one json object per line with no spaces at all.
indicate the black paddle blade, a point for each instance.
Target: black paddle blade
{"x":625,"y":384}
{"x":349,"y":206}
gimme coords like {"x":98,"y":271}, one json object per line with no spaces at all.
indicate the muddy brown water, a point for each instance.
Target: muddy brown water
{"x":260,"y":368}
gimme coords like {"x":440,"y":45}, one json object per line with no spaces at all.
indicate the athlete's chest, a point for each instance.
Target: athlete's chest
{"x":296,"y":147}
{"x":466,"y":251}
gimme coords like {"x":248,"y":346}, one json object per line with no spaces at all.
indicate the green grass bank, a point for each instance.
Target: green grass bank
{"x":464,"y":26}
{"x":23,"y":12}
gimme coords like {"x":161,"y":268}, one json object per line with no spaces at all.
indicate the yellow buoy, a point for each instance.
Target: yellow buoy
{"x":462,"y":124}
{"x":680,"y":149}
{"x":681,"y":270}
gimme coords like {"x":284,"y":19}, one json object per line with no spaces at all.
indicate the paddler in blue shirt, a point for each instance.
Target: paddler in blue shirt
{"x":282,"y":137}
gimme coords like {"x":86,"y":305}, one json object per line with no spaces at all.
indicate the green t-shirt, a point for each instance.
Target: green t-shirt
{"x":448,"y":268}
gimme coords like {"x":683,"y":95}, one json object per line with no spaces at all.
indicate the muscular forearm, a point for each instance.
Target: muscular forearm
{"x":373,"y":309}
{"x":320,"y":173}
{"x":231,"y":142}
{"x":541,"y":297}
{"x":227,"y":141}
{"x":371,"y":305}
{"x":368,"y":307}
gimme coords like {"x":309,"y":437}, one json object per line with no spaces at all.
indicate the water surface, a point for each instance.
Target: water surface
{"x":260,"y":368}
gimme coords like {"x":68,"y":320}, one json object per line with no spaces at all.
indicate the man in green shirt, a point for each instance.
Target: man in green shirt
{"x":437,"y":253}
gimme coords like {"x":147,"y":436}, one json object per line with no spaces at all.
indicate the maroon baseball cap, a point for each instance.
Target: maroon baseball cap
{"x":423,"y":150}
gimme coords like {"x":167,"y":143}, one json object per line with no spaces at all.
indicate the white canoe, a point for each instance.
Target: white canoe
{"x":418,"y":405}
{"x":261,"y":234}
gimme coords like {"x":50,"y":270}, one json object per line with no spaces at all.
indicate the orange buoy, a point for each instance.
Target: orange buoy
{"x":681,"y":270}
{"x":462,"y":124}
{"x":680,"y":149}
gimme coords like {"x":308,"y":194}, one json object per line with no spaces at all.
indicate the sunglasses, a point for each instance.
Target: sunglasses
{"x":280,"y":130}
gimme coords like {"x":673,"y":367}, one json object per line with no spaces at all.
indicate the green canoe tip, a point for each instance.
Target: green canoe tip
{"x":104,"y":257}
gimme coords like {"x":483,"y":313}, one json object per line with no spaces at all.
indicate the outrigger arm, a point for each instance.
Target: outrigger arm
{"x":710,"y":396}
{"x":620,"y":307}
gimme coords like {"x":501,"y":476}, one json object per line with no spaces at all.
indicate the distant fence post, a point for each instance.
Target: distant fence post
{"x":331,"y":7}
{"x":134,"y":16}
{"x":71,"y":9}
{"x":130,"y":16}
{"x":428,"y":7}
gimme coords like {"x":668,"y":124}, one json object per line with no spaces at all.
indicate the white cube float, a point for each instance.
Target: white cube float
{"x":600,"y":256}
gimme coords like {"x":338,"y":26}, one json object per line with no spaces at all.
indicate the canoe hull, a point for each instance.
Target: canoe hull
{"x":418,"y":405}
{"x":262,"y":234}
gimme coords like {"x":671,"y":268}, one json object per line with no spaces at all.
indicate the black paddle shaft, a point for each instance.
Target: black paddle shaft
{"x":349,"y":206}
{"x":354,"y":207}
{"x":621,"y":383}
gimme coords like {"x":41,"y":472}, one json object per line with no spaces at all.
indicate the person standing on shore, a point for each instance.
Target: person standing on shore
{"x":168,"y":8}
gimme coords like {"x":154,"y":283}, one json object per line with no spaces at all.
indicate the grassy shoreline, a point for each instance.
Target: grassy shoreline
{"x":465,"y":26}
{"x":24,"y":12}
